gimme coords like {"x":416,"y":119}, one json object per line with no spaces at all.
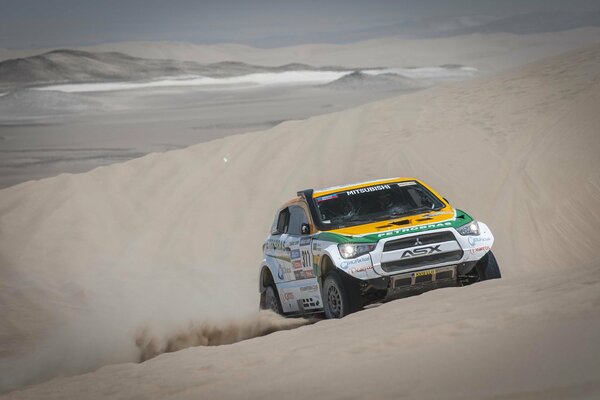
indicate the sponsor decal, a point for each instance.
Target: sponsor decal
{"x":475,"y":250}
{"x":316,"y":246}
{"x":282,"y":271}
{"x":355,"y":270}
{"x":305,"y":241}
{"x":423,"y":273}
{"x":295,"y":254}
{"x":275,"y":244}
{"x":367,"y":189}
{"x":294,"y":243}
{"x":288,"y":296}
{"x":421,"y":251}
{"x":416,"y":229}
{"x":328,"y":197}
{"x":347,"y":264}
{"x":309,"y":273}
{"x":296,"y":264}
{"x":310,"y":288}
{"x":299,"y":274}
{"x":473,"y":240}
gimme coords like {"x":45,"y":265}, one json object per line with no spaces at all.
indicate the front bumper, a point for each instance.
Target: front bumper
{"x":419,"y":252}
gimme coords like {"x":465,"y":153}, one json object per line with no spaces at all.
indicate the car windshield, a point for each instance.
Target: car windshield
{"x":375,"y":203}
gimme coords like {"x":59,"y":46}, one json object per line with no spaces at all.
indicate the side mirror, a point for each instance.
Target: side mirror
{"x":305,"y":229}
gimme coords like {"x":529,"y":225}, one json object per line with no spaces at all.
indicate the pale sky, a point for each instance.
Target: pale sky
{"x":269,"y":23}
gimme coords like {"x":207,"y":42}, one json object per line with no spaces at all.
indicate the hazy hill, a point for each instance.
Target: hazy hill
{"x":83,"y":66}
{"x":359,"y":80}
{"x":486,"y":51}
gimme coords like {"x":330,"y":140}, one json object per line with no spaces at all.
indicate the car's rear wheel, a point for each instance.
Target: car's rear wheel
{"x":487,"y":268}
{"x":272,"y":300}
{"x":336,"y":299}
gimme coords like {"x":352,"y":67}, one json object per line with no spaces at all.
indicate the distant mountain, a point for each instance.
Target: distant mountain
{"x":359,"y":80}
{"x":75,"y":66}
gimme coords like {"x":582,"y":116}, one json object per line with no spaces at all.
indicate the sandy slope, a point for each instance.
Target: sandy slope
{"x":87,"y":260}
{"x":512,"y":339}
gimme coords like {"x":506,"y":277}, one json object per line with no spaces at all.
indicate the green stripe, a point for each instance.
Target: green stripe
{"x":337,"y":238}
{"x":461,"y":219}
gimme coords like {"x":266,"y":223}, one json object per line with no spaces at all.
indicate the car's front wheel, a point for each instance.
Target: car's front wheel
{"x":336,"y":299}
{"x":272,"y":300}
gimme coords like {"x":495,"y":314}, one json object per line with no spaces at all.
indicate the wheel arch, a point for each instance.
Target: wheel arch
{"x":265,"y":279}
{"x":325,"y":266}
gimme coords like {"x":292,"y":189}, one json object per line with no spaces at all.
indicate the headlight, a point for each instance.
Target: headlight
{"x":471,"y":229}
{"x":352,"y":250}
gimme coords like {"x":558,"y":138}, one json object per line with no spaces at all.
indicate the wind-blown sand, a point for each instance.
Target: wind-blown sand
{"x":89,"y":260}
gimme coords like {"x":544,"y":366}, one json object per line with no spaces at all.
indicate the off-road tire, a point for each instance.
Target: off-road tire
{"x":337,"y":302}
{"x":272,"y":301}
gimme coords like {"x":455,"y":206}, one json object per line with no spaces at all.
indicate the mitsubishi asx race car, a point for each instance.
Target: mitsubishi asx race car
{"x":339,"y":249}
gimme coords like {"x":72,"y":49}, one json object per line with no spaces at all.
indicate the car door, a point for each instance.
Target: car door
{"x":303,"y":294}
{"x":277,"y":252}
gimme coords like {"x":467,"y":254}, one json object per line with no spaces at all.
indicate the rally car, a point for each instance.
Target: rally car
{"x":336,"y":250}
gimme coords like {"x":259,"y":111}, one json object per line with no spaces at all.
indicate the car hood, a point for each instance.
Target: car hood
{"x":445,"y":218}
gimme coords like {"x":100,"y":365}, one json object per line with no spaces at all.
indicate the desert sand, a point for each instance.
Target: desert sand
{"x":92,"y":261}
{"x":44,"y":133}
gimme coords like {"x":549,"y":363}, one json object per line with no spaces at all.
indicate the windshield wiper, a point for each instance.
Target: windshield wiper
{"x":421,"y":210}
{"x":413,"y":212}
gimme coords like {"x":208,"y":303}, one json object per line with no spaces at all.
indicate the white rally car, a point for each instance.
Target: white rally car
{"x":339,"y":249}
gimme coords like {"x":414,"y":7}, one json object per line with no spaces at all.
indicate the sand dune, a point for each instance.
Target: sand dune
{"x":88,"y":260}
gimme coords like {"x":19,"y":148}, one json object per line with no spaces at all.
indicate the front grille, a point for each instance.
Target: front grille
{"x":403,"y":282}
{"x":423,"y":278}
{"x":444,"y":275}
{"x":423,"y":240}
{"x":415,"y":262}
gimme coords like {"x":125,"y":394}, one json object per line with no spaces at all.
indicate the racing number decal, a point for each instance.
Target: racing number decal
{"x":306,"y":253}
{"x":306,"y":258}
